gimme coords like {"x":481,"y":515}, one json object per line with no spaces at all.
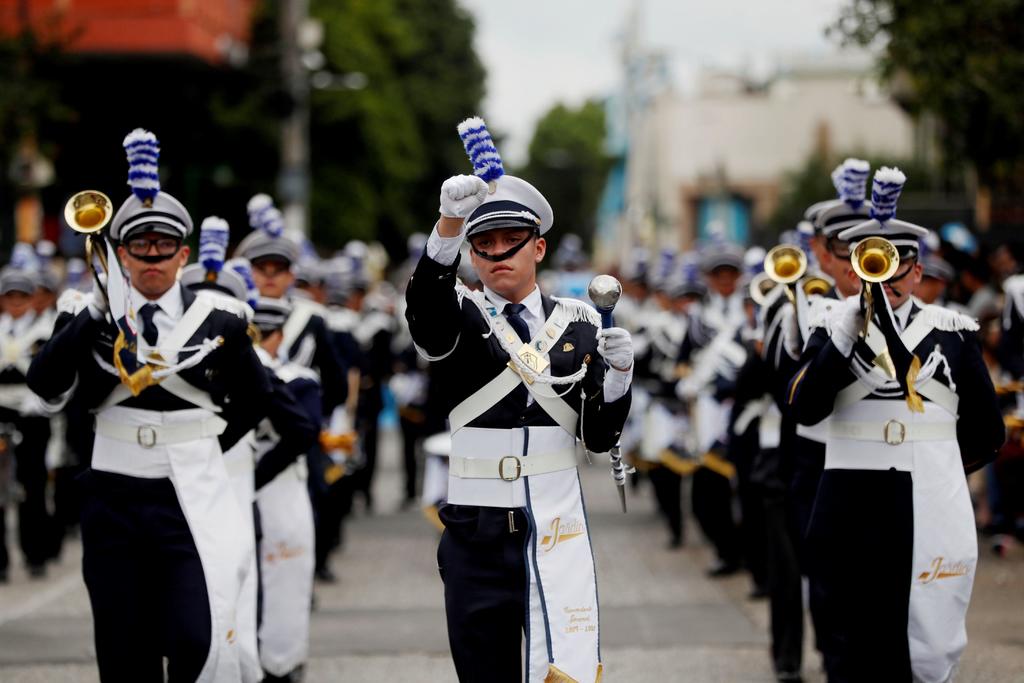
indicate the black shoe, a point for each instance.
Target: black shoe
{"x":788,"y":677}
{"x":721,"y":568}
{"x":37,"y":571}
{"x":3,"y":576}
{"x":675,"y":543}
{"x":325,"y":575}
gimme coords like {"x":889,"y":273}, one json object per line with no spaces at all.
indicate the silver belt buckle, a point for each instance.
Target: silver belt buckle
{"x":146,"y":436}
{"x":894,"y":432}
{"x":516,"y":472}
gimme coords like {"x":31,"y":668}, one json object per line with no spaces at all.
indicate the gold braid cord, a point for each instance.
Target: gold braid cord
{"x":914,"y":401}
{"x":140,"y":379}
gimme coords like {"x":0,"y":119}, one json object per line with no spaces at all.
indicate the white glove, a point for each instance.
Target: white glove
{"x":791,"y":338}
{"x":616,"y":347}
{"x":98,"y":307}
{"x":847,"y":325}
{"x":461,"y":194}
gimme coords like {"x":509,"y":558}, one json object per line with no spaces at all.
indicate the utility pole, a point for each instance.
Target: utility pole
{"x":293,"y":185}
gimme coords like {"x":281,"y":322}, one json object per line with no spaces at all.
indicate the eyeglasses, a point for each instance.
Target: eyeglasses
{"x":140,"y":246}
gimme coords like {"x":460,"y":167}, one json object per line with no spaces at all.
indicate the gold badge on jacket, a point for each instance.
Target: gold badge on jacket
{"x":567,"y":347}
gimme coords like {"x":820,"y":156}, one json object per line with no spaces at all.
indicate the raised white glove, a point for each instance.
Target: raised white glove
{"x":461,"y":194}
{"x":616,"y":347}
{"x":98,"y":307}
{"x":847,"y":325}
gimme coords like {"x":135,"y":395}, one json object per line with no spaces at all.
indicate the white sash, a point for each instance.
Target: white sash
{"x":286,"y":562}
{"x":911,"y":337}
{"x":293,"y":327}
{"x":169,"y":349}
{"x":15,"y":350}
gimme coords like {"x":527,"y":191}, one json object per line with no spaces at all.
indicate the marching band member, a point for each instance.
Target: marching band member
{"x":22,"y":333}
{"x":162,"y":532}
{"x":306,"y":341}
{"x":714,"y":352}
{"x":288,"y":539}
{"x":528,"y":375}
{"x":911,"y":406}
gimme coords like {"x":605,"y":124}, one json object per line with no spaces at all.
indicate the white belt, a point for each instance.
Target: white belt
{"x":893,"y":432}
{"x":511,"y":467}
{"x":149,"y":436}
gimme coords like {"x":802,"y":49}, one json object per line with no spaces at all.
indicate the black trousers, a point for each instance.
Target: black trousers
{"x":412,"y":432}
{"x":668,"y":491}
{"x":36,"y":530}
{"x":145,"y":580}
{"x":861,"y":537}
{"x":785,"y":585}
{"x":808,"y":464}
{"x":712,"y":506}
{"x":483,"y":565}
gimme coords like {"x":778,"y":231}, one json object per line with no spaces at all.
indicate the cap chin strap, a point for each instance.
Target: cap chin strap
{"x":494,"y":258}
{"x":154,"y":259}
{"x":890,"y":283}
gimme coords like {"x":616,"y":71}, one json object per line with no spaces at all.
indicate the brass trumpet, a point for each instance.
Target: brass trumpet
{"x":815,"y":284}
{"x":760,"y":285}
{"x":785,"y":263}
{"x":88,"y":212}
{"x":874,"y":259}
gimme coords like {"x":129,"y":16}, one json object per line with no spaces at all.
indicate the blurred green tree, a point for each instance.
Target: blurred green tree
{"x":568,"y":163}
{"x":962,"y":61}
{"x":380,"y":152}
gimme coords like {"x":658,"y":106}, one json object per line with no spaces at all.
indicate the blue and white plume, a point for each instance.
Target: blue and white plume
{"x":45,"y":250}
{"x":213,"y":243}
{"x":854,"y":185}
{"x":481,"y":150}
{"x":24,"y":257}
{"x":263,"y":215}
{"x":885,"y":192}
{"x":244,"y":269}
{"x":143,"y":150}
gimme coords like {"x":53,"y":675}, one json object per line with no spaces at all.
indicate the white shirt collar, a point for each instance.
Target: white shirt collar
{"x":170,"y":302}
{"x":903,"y":313}
{"x":534,"y":304}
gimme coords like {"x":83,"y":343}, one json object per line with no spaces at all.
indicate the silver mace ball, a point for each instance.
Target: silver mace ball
{"x":604,"y":291}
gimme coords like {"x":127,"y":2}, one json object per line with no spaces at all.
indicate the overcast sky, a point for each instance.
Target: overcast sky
{"x":539,"y":52}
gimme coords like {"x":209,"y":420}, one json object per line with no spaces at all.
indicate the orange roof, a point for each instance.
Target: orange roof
{"x":200,"y":28}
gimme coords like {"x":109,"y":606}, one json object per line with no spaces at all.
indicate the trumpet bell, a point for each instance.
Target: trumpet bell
{"x":785,"y":263}
{"x":812,"y":284}
{"x":760,"y":285}
{"x":875,"y":259}
{"x":88,"y":212}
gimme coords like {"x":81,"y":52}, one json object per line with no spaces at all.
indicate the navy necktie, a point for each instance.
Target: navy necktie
{"x":512,"y":314}
{"x":149,"y":331}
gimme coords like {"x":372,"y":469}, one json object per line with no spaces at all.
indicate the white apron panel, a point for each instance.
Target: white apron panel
{"x":219,"y":531}
{"x":286,"y":559}
{"x":711,"y":421}
{"x":238,"y":461}
{"x":563,"y":582}
{"x":945,"y":560}
{"x":659,"y":431}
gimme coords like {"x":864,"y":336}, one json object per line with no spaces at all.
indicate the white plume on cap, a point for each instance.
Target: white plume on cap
{"x":213,"y":243}
{"x":143,"y":150}
{"x":24,"y":257}
{"x":885,"y":192}
{"x":480,"y":148}
{"x":854,"y":182}
{"x":263,"y":215}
